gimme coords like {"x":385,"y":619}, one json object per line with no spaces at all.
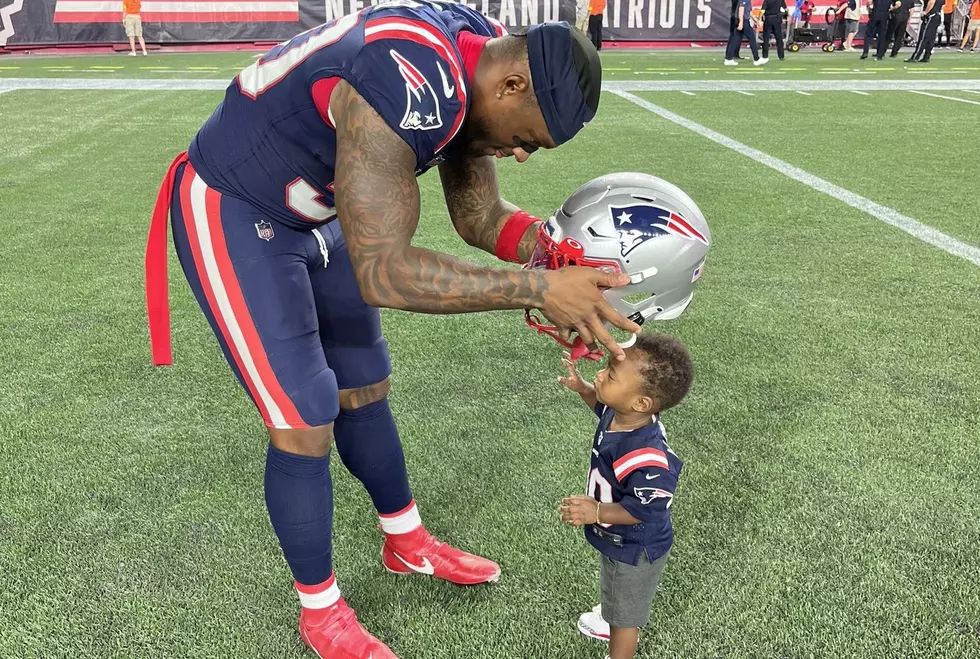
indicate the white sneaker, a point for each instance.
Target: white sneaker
{"x":760,"y":61}
{"x":132,"y":54}
{"x":731,"y":62}
{"x":591,"y":624}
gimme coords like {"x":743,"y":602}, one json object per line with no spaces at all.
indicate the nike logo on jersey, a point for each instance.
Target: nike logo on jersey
{"x":650,"y":477}
{"x":425,"y":568}
{"x":447,"y":88}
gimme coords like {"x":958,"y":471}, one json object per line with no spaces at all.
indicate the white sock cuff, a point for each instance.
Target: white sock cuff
{"x":404,"y":521}
{"x":319,"y":596}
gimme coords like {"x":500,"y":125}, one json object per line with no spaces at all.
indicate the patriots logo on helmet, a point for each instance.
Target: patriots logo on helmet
{"x":638,"y":223}
{"x":647,"y":495}
{"x":422,"y":108}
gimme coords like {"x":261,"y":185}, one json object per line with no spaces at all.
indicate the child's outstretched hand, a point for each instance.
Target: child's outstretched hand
{"x":574,"y":381}
{"x":578,"y":510}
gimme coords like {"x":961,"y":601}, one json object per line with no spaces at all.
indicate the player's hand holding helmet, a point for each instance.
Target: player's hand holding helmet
{"x":626,"y":224}
{"x":574,"y":301}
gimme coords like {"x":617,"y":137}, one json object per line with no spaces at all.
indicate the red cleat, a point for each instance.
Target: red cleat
{"x":417,"y":551}
{"x":335,"y":633}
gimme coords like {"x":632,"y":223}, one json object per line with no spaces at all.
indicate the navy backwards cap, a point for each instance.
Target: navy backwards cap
{"x":566,"y":75}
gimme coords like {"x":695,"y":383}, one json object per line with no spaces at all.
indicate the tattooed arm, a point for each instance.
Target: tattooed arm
{"x":475,"y":206}
{"x":378,"y":208}
{"x":377,"y":198}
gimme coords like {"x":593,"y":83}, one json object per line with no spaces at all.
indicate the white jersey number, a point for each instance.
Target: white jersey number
{"x":272,"y":67}
{"x":303,"y":199}
{"x":605,"y":489}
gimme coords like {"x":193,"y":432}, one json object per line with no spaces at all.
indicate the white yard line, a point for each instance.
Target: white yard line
{"x":854,"y":91}
{"x":781,"y":85}
{"x":887,"y":215}
{"x":948,"y":98}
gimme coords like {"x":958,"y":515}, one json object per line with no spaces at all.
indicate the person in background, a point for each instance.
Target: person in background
{"x":898,"y":21}
{"x":839,"y":23}
{"x":743,"y":29}
{"x":732,"y":25}
{"x":133,"y":24}
{"x":596,"y":8}
{"x":949,"y":6}
{"x":852,"y":17}
{"x":927,"y":31}
{"x":878,"y":26}
{"x":973,"y":28}
{"x":806,"y":11}
{"x":773,"y":12}
{"x":582,"y":16}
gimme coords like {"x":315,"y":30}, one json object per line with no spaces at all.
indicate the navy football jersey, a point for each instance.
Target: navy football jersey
{"x":270,"y":141}
{"x":639,"y":471}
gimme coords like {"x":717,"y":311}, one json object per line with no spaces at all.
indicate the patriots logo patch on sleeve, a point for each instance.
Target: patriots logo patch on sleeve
{"x":638,"y":223}
{"x":648,"y":495}
{"x":422,"y":104}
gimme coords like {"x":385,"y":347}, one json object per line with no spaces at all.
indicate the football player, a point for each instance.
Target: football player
{"x":293,"y":213}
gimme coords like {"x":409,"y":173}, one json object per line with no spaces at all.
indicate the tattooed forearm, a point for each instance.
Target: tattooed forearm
{"x":377,"y":200}
{"x":475,"y":206}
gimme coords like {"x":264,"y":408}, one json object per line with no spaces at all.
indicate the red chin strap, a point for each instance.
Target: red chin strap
{"x":577,"y":348}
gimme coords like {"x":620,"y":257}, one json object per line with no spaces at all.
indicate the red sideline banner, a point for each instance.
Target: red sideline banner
{"x":200,"y":21}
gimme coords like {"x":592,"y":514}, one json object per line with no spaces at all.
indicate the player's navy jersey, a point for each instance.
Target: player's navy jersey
{"x":272,"y":140}
{"x":639,"y":471}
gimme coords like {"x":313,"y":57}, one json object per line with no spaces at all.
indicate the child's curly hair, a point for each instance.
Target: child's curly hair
{"x":667,"y":369}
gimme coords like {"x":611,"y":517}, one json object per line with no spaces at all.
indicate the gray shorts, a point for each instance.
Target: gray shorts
{"x":850,"y":26}
{"x":627,"y":590}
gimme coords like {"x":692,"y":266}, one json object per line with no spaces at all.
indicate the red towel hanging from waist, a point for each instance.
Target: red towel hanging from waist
{"x":157,"y":294}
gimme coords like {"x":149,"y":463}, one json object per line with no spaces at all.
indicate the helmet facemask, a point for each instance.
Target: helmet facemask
{"x":549,"y":254}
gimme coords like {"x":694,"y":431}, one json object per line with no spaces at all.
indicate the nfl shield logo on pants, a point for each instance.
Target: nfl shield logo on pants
{"x":264,"y":230}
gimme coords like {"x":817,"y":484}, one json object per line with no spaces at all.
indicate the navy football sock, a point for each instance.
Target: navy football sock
{"x":368,"y":443}
{"x":299,"y":496}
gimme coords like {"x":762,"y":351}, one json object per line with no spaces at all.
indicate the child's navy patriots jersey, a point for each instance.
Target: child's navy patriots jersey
{"x":639,"y":471}
{"x":272,"y":140}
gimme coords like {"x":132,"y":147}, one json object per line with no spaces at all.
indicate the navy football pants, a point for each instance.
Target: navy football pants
{"x":283,"y":303}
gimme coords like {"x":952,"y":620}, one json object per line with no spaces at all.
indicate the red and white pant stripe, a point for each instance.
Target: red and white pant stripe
{"x":201,"y":208}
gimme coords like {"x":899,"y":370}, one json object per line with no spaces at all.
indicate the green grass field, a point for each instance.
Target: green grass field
{"x":831,"y":486}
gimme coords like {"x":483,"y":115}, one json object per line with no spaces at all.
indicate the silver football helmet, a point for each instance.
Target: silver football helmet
{"x":630,"y":223}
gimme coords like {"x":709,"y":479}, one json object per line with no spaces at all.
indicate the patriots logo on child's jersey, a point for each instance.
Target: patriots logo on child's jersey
{"x":422,"y":104}
{"x":646,"y":495}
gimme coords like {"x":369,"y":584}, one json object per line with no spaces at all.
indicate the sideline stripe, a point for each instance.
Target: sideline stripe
{"x":746,"y":85}
{"x":887,"y":215}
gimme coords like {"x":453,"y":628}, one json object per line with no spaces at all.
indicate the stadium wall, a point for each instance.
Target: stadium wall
{"x":195,"y":21}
